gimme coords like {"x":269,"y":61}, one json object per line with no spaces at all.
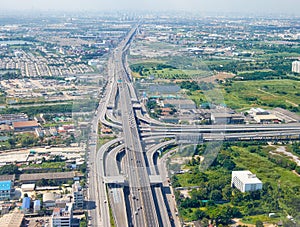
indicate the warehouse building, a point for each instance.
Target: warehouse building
{"x":25,"y":125}
{"x":245,"y":181}
{"x":8,"y":119}
{"x":57,"y":176}
{"x":262,"y":116}
{"x":227,"y":118}
{"x":179,"y":103}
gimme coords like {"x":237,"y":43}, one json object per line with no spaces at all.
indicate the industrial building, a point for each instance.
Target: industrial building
{"x":58,"y":176}
{"x":25,"y":125}
{"x":179,"y":103}
{"x":227,"y":118}
{"x":262,"y":116}
{"x":245,"y":181}
{"x":8,"y":119}
{"x":49,"y":199}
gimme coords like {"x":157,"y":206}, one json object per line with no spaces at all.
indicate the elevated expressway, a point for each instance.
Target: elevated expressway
{"x":126,"y":170}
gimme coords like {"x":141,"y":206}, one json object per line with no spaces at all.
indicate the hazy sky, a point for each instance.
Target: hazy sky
{"x":268,"y":6}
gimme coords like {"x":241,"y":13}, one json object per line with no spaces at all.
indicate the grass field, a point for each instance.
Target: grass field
{"x":271,"y":93}
{"x":167,"y":71}
{"x":47,"y":165}
{"x":242,"y":95}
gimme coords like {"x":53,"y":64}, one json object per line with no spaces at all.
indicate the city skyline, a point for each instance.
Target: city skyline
{"x":255,"y":6}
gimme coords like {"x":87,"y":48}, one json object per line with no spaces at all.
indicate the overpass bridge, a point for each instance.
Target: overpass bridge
{"x":126,"y":167}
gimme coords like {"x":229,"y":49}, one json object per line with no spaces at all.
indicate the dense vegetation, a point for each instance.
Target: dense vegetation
{"x":9,"y":169}
{"x":194,"y":86}
{"x":215,"y":199}
{"x":34,"y":110}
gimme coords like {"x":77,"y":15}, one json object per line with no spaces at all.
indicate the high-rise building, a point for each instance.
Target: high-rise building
{"x":5,"y":190}
{"x":245,"y":181}
{"x":77,"y":195}
{"x":296,"y":67}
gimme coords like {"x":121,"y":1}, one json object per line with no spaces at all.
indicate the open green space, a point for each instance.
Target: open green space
{"x":214,"y":198}
{"x":269,"y":93}
{"x":167,"y":70}
{"x":46,"y":165}
{"x":242,"y":95}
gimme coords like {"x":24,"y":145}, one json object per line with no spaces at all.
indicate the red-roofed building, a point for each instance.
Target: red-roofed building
{"x":25,"y":125}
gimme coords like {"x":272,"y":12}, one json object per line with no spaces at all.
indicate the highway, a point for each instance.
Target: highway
{"x":138,"y":178}
{"x":134,"y":199}
{"x":147,"y":204}
{"x":150,"y":155}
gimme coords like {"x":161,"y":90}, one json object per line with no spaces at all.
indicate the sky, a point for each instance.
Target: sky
{"x":249,"y":6}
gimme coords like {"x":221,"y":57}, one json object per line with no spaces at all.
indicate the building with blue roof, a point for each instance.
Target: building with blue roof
{"x":26,"y":204}
{"x":5,"y":190}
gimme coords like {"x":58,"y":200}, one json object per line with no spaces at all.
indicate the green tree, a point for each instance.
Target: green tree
{"x":199,"y":214}
{"x":259,"y":223}
{"x":216,"y":195}
{"x":9,"y":169}
{"x":227,"y":192}
{"x":12,"y":142}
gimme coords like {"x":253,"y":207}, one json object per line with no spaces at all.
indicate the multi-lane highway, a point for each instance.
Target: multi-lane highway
{"x":124,"y":167}
{"x":142,"y":204}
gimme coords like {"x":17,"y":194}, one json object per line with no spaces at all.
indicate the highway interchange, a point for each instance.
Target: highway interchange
{"x":123,"y":174}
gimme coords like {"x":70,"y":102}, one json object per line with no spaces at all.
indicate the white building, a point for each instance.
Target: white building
{"x":49,"y":199}
{"x":296,"y":66}
{"x":36,"y":206}
{"x":263,"y":116}
{"x":62,"y":217}
{"x":245,"y":181}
